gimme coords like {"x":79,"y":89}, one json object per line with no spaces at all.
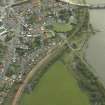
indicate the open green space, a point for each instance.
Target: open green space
{"x":62,"y":27}
{"x":56,"y":87}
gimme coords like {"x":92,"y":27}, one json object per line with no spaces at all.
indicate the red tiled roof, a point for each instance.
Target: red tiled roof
{"x":1,"y":66}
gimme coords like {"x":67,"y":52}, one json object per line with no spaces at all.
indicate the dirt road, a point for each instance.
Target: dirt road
{"x":43,"y":62}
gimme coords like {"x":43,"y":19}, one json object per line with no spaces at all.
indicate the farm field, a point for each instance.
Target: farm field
{"x":56,"y":87}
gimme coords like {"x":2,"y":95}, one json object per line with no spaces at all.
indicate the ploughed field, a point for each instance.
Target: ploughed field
{"x":56,"y":87}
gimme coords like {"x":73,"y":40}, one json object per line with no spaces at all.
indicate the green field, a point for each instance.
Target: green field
{"x":56,"y":87}
{"x":61,"y":27}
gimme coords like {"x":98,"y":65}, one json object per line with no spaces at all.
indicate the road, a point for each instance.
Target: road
{"x":43,"y":62}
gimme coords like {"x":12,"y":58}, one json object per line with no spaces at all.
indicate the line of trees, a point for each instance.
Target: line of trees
{"x":89,"y":82}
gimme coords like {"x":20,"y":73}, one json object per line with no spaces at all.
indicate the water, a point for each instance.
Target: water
{"x":95,"y":52}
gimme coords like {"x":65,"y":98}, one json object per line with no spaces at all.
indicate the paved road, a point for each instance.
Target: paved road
{"x":44,"y":61}
{"x":90,"y":6}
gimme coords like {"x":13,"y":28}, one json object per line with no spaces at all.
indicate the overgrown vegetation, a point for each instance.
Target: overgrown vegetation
{"x":89,"y":82}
